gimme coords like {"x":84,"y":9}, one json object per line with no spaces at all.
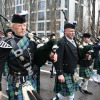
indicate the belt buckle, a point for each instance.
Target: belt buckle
{"x":18,"y":52}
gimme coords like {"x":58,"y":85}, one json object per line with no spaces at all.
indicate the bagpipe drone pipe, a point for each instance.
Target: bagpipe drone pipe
{"x":32,"y":36}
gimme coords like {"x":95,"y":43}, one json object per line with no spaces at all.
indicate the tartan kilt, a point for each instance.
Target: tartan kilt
{"x":68,"y":87}
{"x":85,"y":72}
{"x":11,"y":86}
{"x":6,"y":70}
{"x":97,"y":64}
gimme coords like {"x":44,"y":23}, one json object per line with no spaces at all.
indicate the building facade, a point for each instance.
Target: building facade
{"x":45,"y":16}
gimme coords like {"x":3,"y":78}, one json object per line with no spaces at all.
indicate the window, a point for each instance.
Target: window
{"x":41,"y":16}
{"x":81,"y":2}
{"x":40,"y":34}
{"x":25,"y":1}
{"x":81,"y":11}
{"x":33,"y":17}
{"x":48,"y":15}
{"x":19,"y":2}
{"x":19,"y":9}
{"x":33,"y":6}
{"x":41,"y":5}
{"x":49,"y":4}
{"x":67,"y":11}
{"x":76,"y":11}
{"x":33,"y":26}
{"x":41,"y":26}
{"x":67,"y":4}
{"x":58,"y":14}
{"x":48,"y":26}
{"x":12,"y":10}
{"x":59,"y":3}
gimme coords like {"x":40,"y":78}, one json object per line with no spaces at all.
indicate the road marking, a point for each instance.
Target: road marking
{"x":47,"y":71}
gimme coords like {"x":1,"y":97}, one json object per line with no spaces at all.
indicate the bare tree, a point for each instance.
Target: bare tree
{"x":33,"y":15}
{"x":52,"y":15}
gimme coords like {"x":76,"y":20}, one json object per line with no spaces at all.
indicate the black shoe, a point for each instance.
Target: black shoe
{"x":81,"y":90}
{"x":95,"y":81}
{"x":99,"y":83}
{"x":88,"y":92}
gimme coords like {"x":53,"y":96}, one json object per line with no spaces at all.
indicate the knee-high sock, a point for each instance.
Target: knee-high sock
{"x":59,"y":97}
{"x":80,"y":82}
{"x":70,"y":97}
{"x":84,"y":85}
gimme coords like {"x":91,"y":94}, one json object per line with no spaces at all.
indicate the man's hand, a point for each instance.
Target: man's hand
{"x":0,"y":95}
{"x":61,"y":78}
{"x":53,"y":57}
{"x":99,"y":52}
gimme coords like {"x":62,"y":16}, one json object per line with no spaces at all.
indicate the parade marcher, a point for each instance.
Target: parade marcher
{"x":96,"y":48}
{"x":9,"y":33}
{"x":19,"y":52}
{"x":52,"y":36}
{"x":86,"y":71}
{"x":68,"y":56}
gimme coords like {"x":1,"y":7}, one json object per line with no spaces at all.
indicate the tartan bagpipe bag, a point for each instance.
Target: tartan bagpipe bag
{"x":29,"y":93}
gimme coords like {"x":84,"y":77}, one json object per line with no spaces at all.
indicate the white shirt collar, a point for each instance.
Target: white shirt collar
{"x":69,"y":39}
{"x":85,"y":44}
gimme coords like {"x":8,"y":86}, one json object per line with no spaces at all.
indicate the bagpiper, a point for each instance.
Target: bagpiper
{"x":23,"y":59}
{"x":66,"y":81}
{"x":85,"y":71}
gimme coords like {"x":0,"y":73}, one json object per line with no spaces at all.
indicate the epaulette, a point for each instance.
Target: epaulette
{"x":4,"y":44}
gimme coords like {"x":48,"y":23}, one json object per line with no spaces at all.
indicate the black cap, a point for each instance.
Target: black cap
{"x":8,"y":30}
{"x":87,"y":35}
{"x":69,"y":25}
{"x":52,"y":35}
{"x":18,"y":18}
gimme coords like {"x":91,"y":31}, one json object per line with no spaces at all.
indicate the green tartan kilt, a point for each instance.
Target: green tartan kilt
{"x":85,"y":72}
{"x":11,"y":86}
{"x":68,"y":87}
{"x":97,"y":64}
{"x":6,"y":69}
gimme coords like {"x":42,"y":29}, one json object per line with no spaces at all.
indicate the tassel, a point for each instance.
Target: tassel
{"x":31,"y":96}
{"x":29,"y":93}
{"x":37,"y":95}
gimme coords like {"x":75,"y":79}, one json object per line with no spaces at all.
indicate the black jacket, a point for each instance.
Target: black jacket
{"x":14,"y":65}
{"x":68,"y":56}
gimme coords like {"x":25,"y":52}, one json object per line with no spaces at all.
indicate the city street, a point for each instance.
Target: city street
{"x":47,"y":85}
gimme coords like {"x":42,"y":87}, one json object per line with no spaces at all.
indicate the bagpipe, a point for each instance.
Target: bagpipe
{"x":42,"y":53}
